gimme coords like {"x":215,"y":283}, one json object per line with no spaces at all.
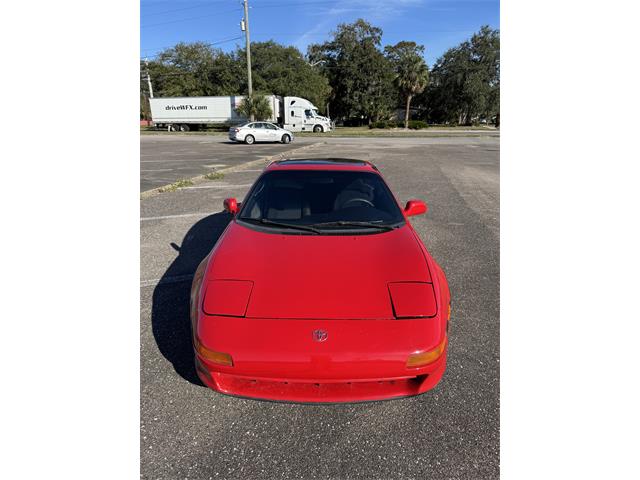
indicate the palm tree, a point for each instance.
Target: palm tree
{"x":411,"y":72}
{"x":256,"y":107}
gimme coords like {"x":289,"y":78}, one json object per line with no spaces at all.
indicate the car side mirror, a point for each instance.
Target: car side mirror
{"x":415,"y":207}
{"x":231,"y":205}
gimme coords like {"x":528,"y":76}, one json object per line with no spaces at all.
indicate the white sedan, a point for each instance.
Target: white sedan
{"x":252,"y":132}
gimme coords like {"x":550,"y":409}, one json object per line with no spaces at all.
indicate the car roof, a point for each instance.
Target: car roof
{"x":322,"y":164}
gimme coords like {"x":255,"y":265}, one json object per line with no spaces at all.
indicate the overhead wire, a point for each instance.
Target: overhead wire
{"x":160,"y":50}
{"x":189,"y":19}
{"x":259,"y":6}
{"x":203,"y":4}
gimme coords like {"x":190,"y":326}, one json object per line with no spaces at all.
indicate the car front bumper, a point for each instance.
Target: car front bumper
{"x":360,"y":360}
{"x":320,"y":390}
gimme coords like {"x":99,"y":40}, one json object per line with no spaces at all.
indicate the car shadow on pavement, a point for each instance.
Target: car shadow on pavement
{"x":170,"y":307}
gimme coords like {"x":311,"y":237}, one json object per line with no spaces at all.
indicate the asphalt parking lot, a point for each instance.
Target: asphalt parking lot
{"x":167,"y":158}
{"x":189,"y":431}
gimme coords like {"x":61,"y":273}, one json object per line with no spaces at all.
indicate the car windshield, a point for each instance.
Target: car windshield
{"x":325,"y":200}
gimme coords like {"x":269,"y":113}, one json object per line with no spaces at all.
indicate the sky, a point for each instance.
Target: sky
{"x":436,"y":24}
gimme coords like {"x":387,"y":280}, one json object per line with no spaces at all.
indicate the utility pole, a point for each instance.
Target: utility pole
{"x":248,"y":41}
{"x":149,"y":79}
{"x":147,"y":112}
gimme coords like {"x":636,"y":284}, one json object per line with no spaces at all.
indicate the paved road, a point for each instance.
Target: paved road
{"x":188,"y":431}
{"x":165,"y":158}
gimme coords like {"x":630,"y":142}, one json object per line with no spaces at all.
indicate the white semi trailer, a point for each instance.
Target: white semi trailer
{"x":191,"y":113}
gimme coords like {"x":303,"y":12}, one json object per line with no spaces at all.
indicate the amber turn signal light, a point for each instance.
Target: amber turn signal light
{"x":213,"y":356}
{"x":421,"y":359}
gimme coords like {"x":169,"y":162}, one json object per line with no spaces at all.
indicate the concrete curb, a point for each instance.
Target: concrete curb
{"x":237,"y":168}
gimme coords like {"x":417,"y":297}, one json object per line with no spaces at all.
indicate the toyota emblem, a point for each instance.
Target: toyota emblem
{"x":320,"y":335}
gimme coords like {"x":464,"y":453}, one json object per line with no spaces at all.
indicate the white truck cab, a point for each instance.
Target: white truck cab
{"x":300,"y":115}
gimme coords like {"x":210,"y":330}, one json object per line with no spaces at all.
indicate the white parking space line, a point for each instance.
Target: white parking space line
{"x":166,"y":280}
{"x":184,"y":215}
{"x":217,"y":186}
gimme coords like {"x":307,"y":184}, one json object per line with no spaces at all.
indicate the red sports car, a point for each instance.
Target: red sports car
{"x":320,"y":290}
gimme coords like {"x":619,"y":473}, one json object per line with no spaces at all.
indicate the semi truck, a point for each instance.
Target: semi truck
{"x":192,"y":113}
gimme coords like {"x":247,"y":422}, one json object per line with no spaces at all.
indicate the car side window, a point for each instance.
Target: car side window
{"x":269,"y":126}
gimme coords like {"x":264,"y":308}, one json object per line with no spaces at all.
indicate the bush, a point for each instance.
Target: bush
{"x":417,"y":124}
{"x":380,"y":124}
{"x":395,"y":124}
{"x":258,"y":105}
{"x":354,"y":122}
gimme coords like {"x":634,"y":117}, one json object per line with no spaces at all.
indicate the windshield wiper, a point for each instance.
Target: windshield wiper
{"x":266,"y":221}
{"x":346,"y":223}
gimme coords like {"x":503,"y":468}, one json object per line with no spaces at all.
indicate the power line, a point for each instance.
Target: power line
{"x":217,"y":13}
{"x":190,"y":43}
{"x":208,"y":44}
{"x":207,"y":4}
{"x":289,"y":4}
{"x":262,"y":34}
{"x":214,"y":3}
{"x":191,"y":18}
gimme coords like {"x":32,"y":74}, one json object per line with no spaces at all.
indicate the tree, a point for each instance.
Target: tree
{"x":465,"y":81}
{"x":194,"y":69}
{"x":281,"y":70}
{"x":255,"y":107}
{"x":145,"y":110}
{"x":360,"y":76}
{"x":411,"y":72}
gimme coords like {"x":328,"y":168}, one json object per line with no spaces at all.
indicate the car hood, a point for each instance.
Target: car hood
{"x":316,"y":276}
